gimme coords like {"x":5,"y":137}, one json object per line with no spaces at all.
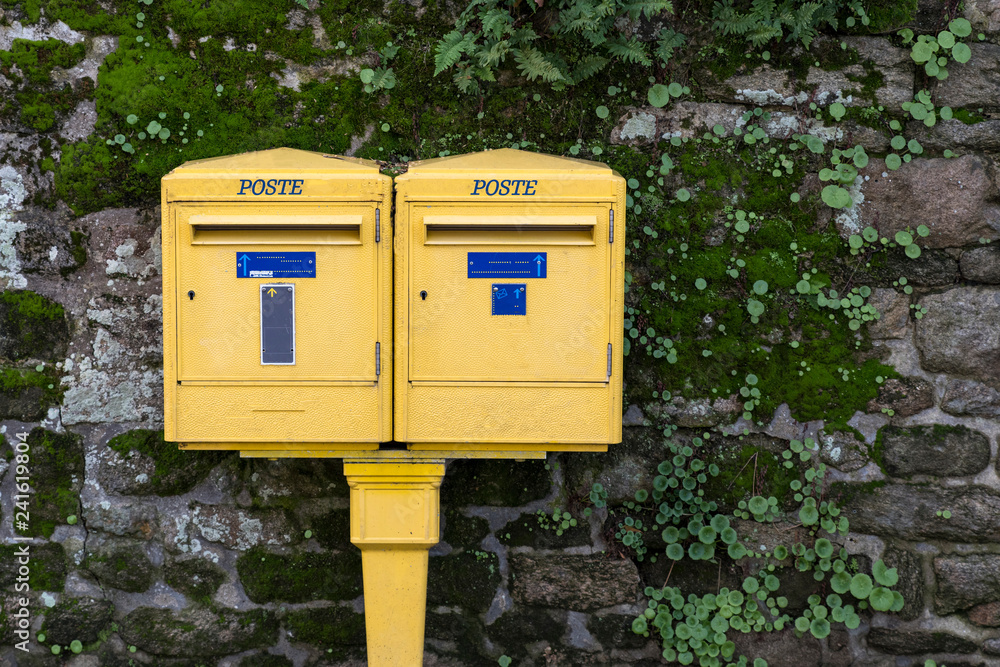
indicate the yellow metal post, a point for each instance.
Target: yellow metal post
{"x":395,"y":520}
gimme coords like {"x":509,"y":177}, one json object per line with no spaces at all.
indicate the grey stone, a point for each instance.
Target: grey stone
{"x":955,"y":135}
{"x":915,"y":642}
{"x":911,"y":580}
{"x":894,"y":314}
{"x":934,"y":268}
{"x":780,"y":649}
{"x":956,"y":199}
{"x":984,"y":15}
{"x":905,"y":396}
{"x":77,"y":618}
{"x":633,"y":416}
{"x":960,"y":333}
{"x":198,"y":631}
{"x":966,"y":581}
{"x":991,"y":647}
{"x":934,"y":450}
{"x":975,"y":83}
{"x":696,"y":412}
{"x":238,"y":528}
{"x":982,"y":265}
{"x":843,"y":451}
{"x":48,"y":247}
{"x":635,"y":127}
{"x":79,"y":124}
{"x":892,"y":62}
{"x":987,"y":615}
{"x":119,"y":562}
{"x":762,"y":86}
{"x":967,"y":397}
{"x":578,"y":583}
{"x":910,"y":512}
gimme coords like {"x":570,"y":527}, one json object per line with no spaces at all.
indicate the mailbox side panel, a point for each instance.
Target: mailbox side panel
{"x":168,"y":272}
{"x":385,"y":291}
{"x":617,"y":334}
{"x":401,"y":326}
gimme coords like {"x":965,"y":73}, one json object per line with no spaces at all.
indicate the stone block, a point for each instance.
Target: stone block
{"x":933,"y":450}
{"x":960,"y":333}
{"x":966,"y":581}
{"x":577,"y":583}
{"x":956,"y":199}
{"x":986,"y":615}
{"x":975,"y":83}
{"x":904,"y":396}
{"x":910,"y":512}
{"x":916,"y":642}
{"x":967,"y":397}
{"x":981,"y":265}
{"x":198,"y":632}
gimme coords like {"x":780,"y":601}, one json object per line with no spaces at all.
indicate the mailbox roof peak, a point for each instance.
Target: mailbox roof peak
{"x":507,"y":159}
{"x":278,"y":160}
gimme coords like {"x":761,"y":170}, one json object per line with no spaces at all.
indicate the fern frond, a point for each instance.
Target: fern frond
{"x":523,"y":37}
{"x":588,"y":67}
{"x":470,"y":13}
{"x":535,"y":65}
{"x":451,"y":48}
{"x":666,"y":42}
{"x":464,"y":78}
{"x":384,"y":79}
{"x":762,"y":34}
{"x":629,"y":50}
{"x":493,"y":53}
{"x":649,"y":8}
{"x":497,"y":23}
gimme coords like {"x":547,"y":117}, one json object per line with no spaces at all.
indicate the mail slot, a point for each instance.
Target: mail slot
{"x":277,"y":303}
{"x":509,"y":295}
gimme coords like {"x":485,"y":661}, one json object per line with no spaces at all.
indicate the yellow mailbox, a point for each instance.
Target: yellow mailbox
{"x":277,"y":303}
{"x":509,"y":298}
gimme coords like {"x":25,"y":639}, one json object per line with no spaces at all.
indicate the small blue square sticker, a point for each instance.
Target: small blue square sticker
{"x":509,"y":299}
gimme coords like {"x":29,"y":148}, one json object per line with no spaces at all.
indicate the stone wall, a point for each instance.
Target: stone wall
{"x":150,"y":556}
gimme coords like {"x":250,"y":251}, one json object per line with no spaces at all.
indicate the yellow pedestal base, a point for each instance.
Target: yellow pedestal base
{"x":395,"y":520}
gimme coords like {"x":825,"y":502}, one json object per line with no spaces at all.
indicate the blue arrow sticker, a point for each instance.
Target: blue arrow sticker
{"x":509,"y":299}
{"x":507,"y":264}
{"x":275,"y":264}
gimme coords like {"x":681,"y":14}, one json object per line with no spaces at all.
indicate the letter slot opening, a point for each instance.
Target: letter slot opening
{"x":276,"y":230}
{"x":277,"y":324}
{"x":509,"y":230}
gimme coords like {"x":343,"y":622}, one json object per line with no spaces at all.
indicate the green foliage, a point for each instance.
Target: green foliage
{"x":29,"y":66}
{"x":580,"y":38}
{"x":761,"y":22}
{"x":932,"y":51}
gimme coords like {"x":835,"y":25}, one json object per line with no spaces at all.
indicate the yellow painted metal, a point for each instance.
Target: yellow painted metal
{"x":217,"y":394}
{"x":396,"y":454}
{"x":467,"y":380}
{"x":395,"y":510}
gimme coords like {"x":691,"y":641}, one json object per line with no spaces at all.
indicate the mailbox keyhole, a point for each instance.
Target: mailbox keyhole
{"x":423,"y":295}
{"x":191,"y":295}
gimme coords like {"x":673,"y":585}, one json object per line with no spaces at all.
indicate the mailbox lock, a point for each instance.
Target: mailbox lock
{"x":423,"y":295}
{"x":191,"y":295}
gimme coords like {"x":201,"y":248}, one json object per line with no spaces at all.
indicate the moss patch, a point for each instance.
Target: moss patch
{"x":336,"y":628}
{"x":77,"y":618}
{"x":46,"y":571}
{"x":57,"y":468}
{"x":749,"y":468}
{"x":31,"y":326}
{"x":269,"y":577}
{"x":333,"y":530}
{"x":26,"y":394}
{"x":497,"y":483}
{"x":468,"y":580}
{"x":176,"y":471}
{"x":463,"y":532}
{"x":197,"y":578}
{"x":540,"y":532}
{"x":121,"y":563}
{"x":198,"y":632}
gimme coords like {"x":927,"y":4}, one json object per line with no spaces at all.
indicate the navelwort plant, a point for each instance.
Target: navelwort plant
{"x":560,"y":43}
{"x":699,"y":628}
{"x":932,"y":51}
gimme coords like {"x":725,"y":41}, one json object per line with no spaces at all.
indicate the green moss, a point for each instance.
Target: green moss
{"x":197,"y":578}
{"x":25,"y":394}
{"x":532,"y":530}
{"x":888,"y":15}
{"x":333,"y":530}
{"x":968,"y":116}
{"x":77,"y":249}
{"x":85,"y":619}
{"x":176,"y":471}
{"x":57,"y":468}
{"x":337,"y":631}
{"x":302,"y":577}
{"x":467,"y":579}
{"x":748,"y":470}
{"x":121,"y":563}
{"x":489,"y":482}
{"x":46,"y":569}
{"x":29,"y":65}
{"x":31,"y":326}
{"x":463,"y":532}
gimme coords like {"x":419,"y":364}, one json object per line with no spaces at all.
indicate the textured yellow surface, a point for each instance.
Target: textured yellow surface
{"x":465,"y":376}
{"x":216,"y":391}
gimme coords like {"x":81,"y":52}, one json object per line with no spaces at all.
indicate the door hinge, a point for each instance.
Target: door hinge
{"x":378,"y":230}
{"x":611,"y":226}
{"x":378,"y":359}
{"x":609,"y":361}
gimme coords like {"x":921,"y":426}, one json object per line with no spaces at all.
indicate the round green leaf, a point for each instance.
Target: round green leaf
{"x":855,"y":241}
{"x":814,"y":144}
{"x":912,"y":251}
{"x":904,"y":238}
{"x":820,"y":628}
{"x":893,"y":162}
{"x":840,"y":582}
{"x":153,"y":127}
{"x":675,"y":551}
{"x":835,"y":196}
{"x":824,"y":548}
{"x":76,"y":646}
{"x":683,"y":194}
{"x":658,"y":96}
{"x":861,"y":586}
{"x":760,"y":287}
{"x":960,"y":27}
{"x":921,"y":52}
{"x":700,"y":283}
{"x":602,"y":111}
{"x":881,"y":599}
{"x":675,"y":89}
{"x":808,"y":515}
{"x":837,"y":110}
{"x":946,"y":39}
{"x":961,"y":53}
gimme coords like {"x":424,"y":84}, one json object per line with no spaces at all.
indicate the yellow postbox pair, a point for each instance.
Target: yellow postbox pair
{"x":302,"y":317}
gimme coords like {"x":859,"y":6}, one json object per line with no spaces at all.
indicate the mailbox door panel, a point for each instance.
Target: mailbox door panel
{"x":335,"y":313}
{"x":508,"y":293}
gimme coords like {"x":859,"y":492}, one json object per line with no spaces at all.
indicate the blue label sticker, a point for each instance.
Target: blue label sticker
{"x":507,"y":264}
{"x":275,"y":264}
{"x":509,"y":299}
